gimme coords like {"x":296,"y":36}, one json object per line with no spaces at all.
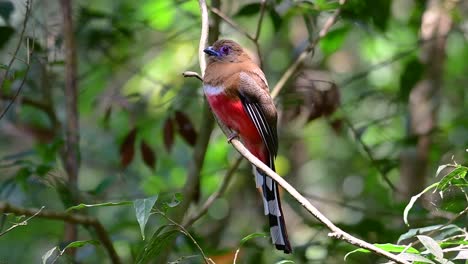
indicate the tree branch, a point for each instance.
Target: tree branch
{"x":69,"y":218}
{"x":71,"y":149}
{"x":336,"y":232}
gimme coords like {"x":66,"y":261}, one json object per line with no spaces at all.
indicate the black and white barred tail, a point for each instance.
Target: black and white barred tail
{"x":272,"y":208}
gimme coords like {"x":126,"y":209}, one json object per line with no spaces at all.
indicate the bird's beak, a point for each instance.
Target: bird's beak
{"x":211,"y":52}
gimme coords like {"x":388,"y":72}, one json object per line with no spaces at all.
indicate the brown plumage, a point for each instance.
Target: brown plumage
{"x":238,"y":94}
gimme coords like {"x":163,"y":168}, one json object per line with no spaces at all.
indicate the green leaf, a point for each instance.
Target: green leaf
{"x":462,"y":254}
{"x":5,"y":34}
{"x":458,"y":173}
{"x":83,"y":206}
{"x":333,"y":40}
{"x":81,"y":243}
{"x":48,"y":254}
{"x":387,"y":247}
{"x":176,"y":199}
{"x":453,"y":243}
{"x":6,"y":8}
{"x":276,"y":19}
{"x":156,"y":244}
{"x":251,"y":236}
{"x":431,"y":245}
{"x":142,"y":210}
{"x":375,"y":12}
{"x":249,"y":10}
{"x":284,"y":261}
{"x":413,"y":200}
{"x":414,"y":257}
{"x":450,"y":229}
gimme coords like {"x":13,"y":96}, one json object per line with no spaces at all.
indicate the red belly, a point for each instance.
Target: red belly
{"x":232,"y":114}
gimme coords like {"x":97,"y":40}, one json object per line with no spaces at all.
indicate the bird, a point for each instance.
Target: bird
{"x":237,"y":92}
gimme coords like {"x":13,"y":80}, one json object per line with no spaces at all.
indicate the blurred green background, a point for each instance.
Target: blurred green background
{"x":383,"y":96}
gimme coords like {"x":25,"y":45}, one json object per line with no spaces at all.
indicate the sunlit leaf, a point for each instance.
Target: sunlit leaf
{"x":83,"y":206}
{"x":431,"y":245}
{"x":174,"y":202}
{"x":333,"y":40}
{"x":416,"y":231}
{"x":252,"y":236}
{"x":159,"y":14}
{"x":142,"y":211}
{"x":462,"y":254}
{"x":81,"y":243}
{"x":48,"y":254}
{"x":458,"y":173}
{"x":453,"y":243}
{"x":413,"y":200}
{"x":414,"y":257}
{"x":284,"y":261}
{"x":387,"y":247}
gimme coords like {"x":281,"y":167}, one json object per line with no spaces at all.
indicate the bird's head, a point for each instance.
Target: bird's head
{"x":225,"y":50}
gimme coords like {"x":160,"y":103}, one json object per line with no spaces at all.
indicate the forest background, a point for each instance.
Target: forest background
{"x":109,"y":155}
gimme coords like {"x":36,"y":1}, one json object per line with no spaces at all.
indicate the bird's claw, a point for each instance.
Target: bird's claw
{"x":232,"y":136}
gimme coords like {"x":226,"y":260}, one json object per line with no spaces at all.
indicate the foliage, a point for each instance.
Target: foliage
{"x":347,"y":122}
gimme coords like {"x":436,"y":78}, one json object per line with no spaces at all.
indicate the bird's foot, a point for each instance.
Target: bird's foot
{"x":232,"y":136}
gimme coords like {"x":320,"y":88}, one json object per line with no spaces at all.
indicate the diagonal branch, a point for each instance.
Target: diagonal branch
{"x":336,"y":232}
{"x":70,"y":153}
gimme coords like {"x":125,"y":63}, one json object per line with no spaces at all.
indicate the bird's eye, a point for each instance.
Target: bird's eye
{"x":225,"y":50}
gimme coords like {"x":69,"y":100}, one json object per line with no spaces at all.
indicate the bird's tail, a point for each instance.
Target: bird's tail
{"x":272,"y":208}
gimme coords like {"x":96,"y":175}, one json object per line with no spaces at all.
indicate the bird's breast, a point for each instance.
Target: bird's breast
{"x":230,"y":111}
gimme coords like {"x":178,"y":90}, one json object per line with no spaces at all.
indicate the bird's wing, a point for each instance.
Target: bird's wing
{"x":254,"y":95}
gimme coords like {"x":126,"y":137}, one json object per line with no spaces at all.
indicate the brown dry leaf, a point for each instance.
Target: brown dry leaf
{"x":168,"y":133}
{"x":186,"y":128}
{"x":127,"y":149}
{"x":148,"y":155}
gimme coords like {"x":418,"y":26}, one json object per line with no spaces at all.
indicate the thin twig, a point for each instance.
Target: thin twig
{"x":260,"y":19}
{"x":69,"y":218}
{"x":187,"y":234}
{"x":305,"y":53}
{"x":336,"y":232}
{"x":192,"y":74}
{"x":204,"y":208}
{"x":204,"y":35}
{"x":22,"y":223}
